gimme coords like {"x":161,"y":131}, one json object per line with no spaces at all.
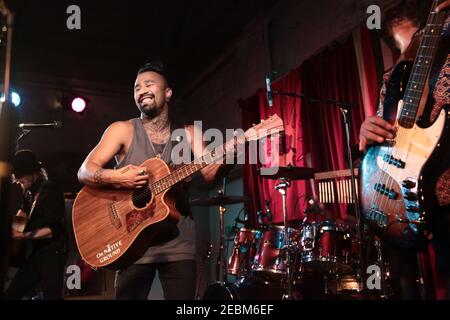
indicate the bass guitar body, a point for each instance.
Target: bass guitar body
{"x":397,"y":178}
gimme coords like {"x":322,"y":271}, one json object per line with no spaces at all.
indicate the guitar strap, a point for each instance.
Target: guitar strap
{"x":35,"y":199}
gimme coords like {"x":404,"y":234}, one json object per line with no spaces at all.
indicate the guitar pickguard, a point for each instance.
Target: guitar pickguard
{"x":391,"y":180}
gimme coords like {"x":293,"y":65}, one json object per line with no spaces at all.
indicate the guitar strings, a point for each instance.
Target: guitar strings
{"x":124,"y":204}
{"x":426,"y":50}
{"x":167,"y":182}
{"x":376,"y":197}
{"x":403,"y":134}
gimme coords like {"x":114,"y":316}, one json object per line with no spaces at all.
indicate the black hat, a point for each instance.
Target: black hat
{"x":25,"y":162}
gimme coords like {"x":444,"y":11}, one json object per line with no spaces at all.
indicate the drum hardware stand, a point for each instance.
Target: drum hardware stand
{"x":325,"y":284}
{"x":379,"y":247}
{"x":222,"y":259}
{"x":359,"y":222}
{"x":345,"y":108}
{"x":281,"y":186}
{"x":421,"y":280}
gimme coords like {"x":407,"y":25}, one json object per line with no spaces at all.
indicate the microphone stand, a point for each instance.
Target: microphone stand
{"x":359,"y":222}
{"x":345,"y":108}
{"x":221,"y":261}
{"x":338,"y":103}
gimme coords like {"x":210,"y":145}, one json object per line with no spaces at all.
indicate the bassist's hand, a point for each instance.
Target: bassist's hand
{"x":131,"y":177}
{"x":374,"y":129}
{"x":16,"y":235}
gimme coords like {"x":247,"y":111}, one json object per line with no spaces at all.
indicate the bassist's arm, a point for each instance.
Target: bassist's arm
{"x":41,"y":233}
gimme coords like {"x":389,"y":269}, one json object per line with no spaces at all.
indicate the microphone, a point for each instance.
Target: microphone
{"x":269,"y":91}
{"x":54,"y":124}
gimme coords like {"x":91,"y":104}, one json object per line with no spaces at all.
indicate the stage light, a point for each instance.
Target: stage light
{"x":14,"y":98}
{"x":78,"y":104}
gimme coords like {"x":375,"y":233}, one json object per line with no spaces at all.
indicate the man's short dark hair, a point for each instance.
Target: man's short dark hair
{"x":154,"y":66}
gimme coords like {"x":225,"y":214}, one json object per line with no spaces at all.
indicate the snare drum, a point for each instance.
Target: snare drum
{"x":271,"y":255}
{"x":326,"y":247}
{"x":244,"y":251}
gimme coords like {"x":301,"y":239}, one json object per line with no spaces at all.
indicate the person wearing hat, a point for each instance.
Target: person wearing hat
{"x":43,"y":237}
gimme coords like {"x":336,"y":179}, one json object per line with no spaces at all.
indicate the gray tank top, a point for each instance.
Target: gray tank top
{"x":183,"y":246}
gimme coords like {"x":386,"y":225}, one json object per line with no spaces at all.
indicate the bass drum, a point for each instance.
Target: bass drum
{"x":244,"y":289}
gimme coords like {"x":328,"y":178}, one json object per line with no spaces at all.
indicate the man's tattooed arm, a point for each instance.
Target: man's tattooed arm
{"x":98,"y":176}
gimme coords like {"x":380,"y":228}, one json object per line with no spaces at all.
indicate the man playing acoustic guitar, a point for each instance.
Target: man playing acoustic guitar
{"x":43,"y":207}
{"x":131,"y":143}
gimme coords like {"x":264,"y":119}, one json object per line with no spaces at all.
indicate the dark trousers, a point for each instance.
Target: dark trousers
{"x":441,"y":244}
{"x":44,"y":271}
{"x":404,"y":273}
{"x":177,"y":280}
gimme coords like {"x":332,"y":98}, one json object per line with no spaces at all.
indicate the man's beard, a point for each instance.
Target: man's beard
{"x":150,"y":111}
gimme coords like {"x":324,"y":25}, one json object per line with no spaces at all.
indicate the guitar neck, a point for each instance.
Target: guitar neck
{"x":183,"y":172}
{"x":422,"y":67}
{"x":270,"y":126}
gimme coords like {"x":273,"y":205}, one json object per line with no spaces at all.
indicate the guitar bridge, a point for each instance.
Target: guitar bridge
{"x":114,"y":216}
{"x":378,"y":217}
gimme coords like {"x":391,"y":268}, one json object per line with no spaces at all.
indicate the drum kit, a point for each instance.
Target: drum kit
{"x":284,"y":261}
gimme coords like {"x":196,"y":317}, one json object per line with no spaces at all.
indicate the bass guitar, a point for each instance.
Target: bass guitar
{"x":396,"y":176}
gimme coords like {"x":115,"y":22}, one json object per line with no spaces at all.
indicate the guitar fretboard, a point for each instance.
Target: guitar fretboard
{"x":188,"y":169}
{"x":422,"y":67}
{"x":177,"y":176}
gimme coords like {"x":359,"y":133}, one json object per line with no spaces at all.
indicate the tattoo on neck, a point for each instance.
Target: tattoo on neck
{"x":158,"y":128}
{"x":158,"y":123}
{"x":98,"y":176}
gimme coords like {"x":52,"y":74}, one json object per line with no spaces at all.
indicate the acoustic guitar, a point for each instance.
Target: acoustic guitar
{"x":19,"y":223}
{"x":397,"y":177}
{"x":114,"y":227}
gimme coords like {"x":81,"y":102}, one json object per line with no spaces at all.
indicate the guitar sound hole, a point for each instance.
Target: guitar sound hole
{"x":141,"y":197}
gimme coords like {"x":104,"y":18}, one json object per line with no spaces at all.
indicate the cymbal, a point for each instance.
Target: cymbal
{"x":291,"y":172}
{"x":218,"y":200}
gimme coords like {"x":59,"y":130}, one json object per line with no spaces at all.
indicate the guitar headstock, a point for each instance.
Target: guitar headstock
{"x":271,"y":125}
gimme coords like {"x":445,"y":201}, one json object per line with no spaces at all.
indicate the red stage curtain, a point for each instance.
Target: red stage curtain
{"x":315,"y":133}
{"x":260,"y":190}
